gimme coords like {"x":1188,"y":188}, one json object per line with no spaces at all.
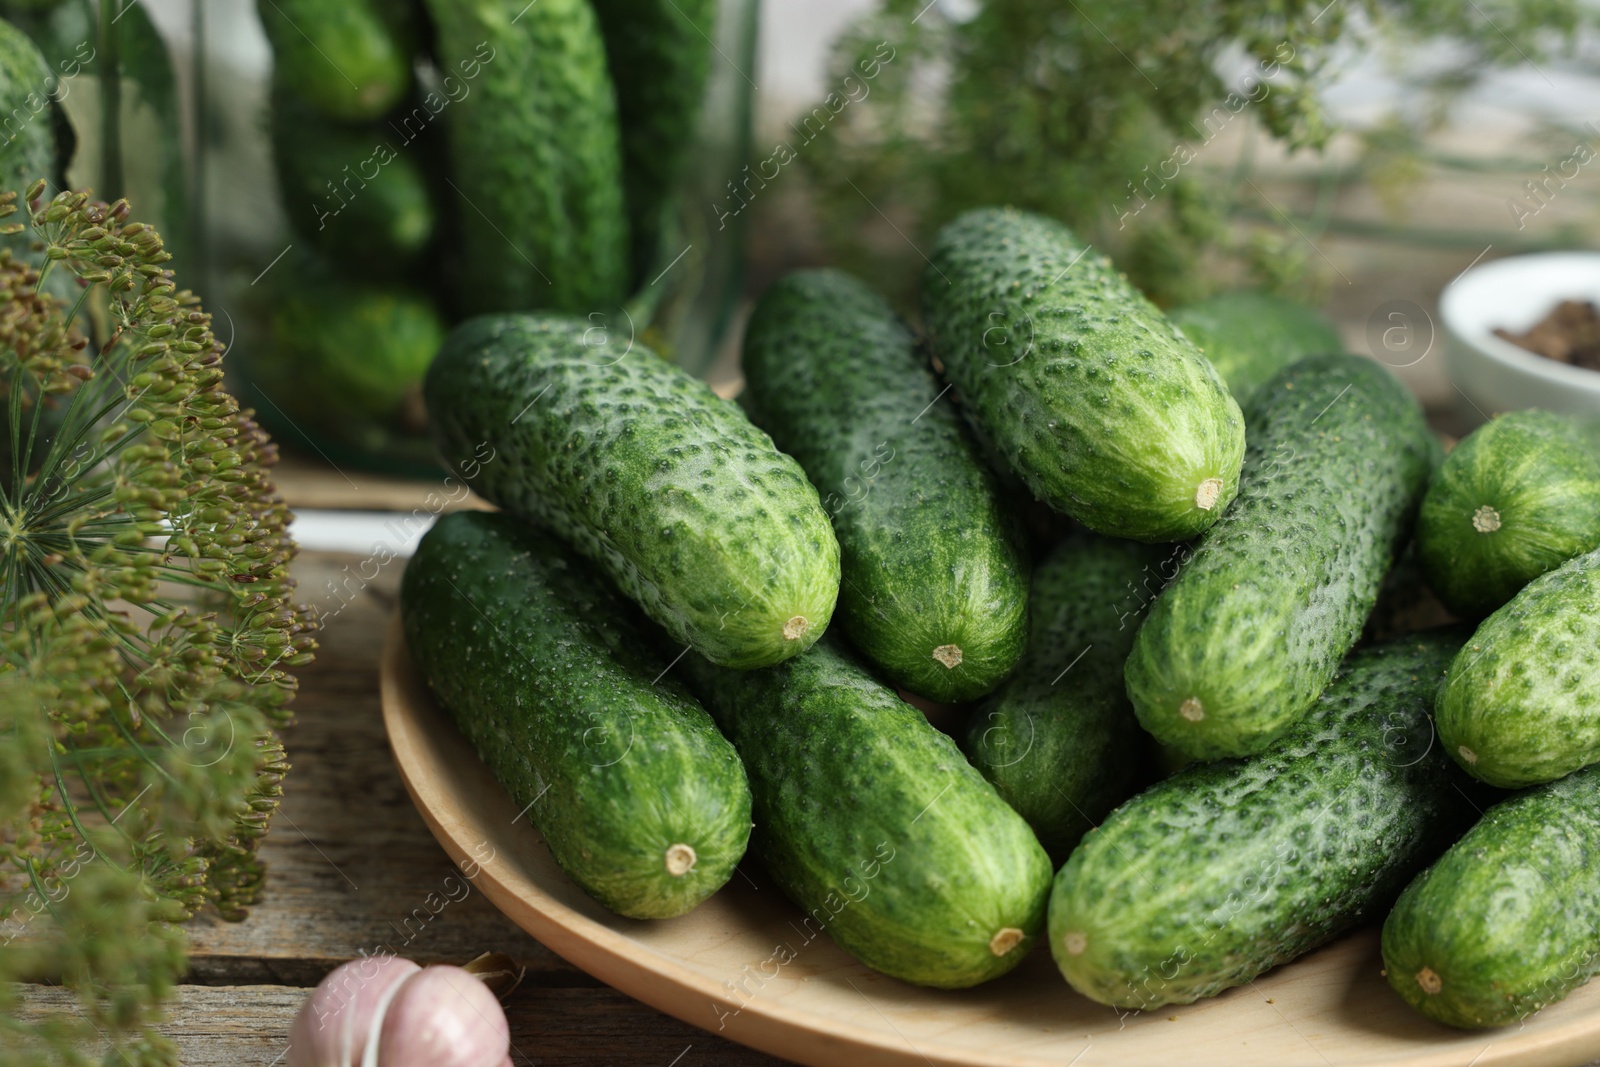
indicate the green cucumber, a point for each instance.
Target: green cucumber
{"x":1251,"y":336}
{"x":350,"y":59}
{"x":1238,"y":646}
{"x":873,"y":823}
{"x":535,"y":156}
{"x":344,"y":352}
{"x":934,"y":584}
{"x":666,"y":486}
{"x":561,"y":691}
{"x":1059,"y":740}
{"x":1522,"y":702}
{"x":1508,"y":921}
{"x":1517,"y":497}
{"x":659,"y":53}
{"x":1228,"y":869}
{"x":28,"y":151}
{"x":1083,"y":387}
{"x":349,"y":192}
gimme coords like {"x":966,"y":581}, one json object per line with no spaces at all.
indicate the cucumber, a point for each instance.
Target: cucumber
{"x":659,"y":53}
{"x":1059,"y":740}
{"x":343,"y":352}
{"x":1522,"y":702}
{"x":1508,"y":921}
{"x":357,"y":197}
{"x":667,"y":487}
{"x":28,"y":151}
{"x":1250,"y":336}
{"x":561,"y":691}
{"x":1085,"y":389}
{"x":873,"y":823}
{"x":536,"y":156}
{"x":1228,"y":869}
{"x":934,"y":584}
{"x":1517,"y":497}
{"x":1253,"y":626}
{"x":351,"y":60}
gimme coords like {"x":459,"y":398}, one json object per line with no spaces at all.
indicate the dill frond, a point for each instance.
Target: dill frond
{"x":147,"y":632}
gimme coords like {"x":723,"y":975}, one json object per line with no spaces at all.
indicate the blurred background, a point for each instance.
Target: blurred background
{"x":1391,"y":147}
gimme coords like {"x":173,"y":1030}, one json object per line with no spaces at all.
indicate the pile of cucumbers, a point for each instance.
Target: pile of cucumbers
{"x":444,"y":158}
{"x":1181,"y":764}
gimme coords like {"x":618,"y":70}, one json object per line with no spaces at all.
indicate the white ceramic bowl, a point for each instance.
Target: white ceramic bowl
{"x":1515,"y":293}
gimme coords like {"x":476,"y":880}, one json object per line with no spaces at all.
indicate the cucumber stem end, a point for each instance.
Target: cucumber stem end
{"x":680,"y":860}
{"x":1005,"y":939}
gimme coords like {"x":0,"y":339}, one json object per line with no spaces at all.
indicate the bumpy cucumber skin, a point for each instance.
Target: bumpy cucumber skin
{"x":1090,"y":395}
{"x":667,"y":487}
{"x":536,"y":156}
{"x":1521,"y":704}
{"x":1254,"y":625}
{"x":561,"y":691}
{"x":351,"y":59}
{"x":659,"y":52}
{"x":871,"y":821}
{"x":1508,"y":921}
{"x":1228,"y":869}
{"x":1059,"y":740}
{"x":1540,"y":481}
{"x":377,"y":226}
{"x":930,"y":560}
{"x":1250,"y":336}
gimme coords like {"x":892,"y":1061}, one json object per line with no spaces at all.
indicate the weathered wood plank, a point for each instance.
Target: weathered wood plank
{"x":230,"y":1026}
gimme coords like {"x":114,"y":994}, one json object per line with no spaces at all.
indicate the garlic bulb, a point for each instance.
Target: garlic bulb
{"x":444,"y":1017}
{"x":383,"y":1011}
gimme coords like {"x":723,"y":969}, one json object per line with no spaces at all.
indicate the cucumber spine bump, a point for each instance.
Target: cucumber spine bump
{"x":1521,"y":703}
{"x":1089,"y":394}
{"x":934,"y":580}
{"x":563,"y":691}
{"x":536,"y":157}
{"x":843,"y":773}
{"x":1508,"y":921}
{"x":1059,"y":738}
{"x":668,"y":488}
{"x":1239,"y":644}
{"x":1230,"y":868}
{"x":1517,"y":497}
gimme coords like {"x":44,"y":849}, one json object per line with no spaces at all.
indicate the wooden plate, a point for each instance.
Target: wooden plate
{"x":739,"y":965}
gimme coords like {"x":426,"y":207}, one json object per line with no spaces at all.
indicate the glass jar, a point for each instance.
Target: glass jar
{"x":117,"y":107}
{"x":331,"y":337}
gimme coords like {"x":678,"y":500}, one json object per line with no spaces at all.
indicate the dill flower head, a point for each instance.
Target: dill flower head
{"x":147,"y":628}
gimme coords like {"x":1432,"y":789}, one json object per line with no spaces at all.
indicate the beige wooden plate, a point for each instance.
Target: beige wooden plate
{"x":739,"y":965}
